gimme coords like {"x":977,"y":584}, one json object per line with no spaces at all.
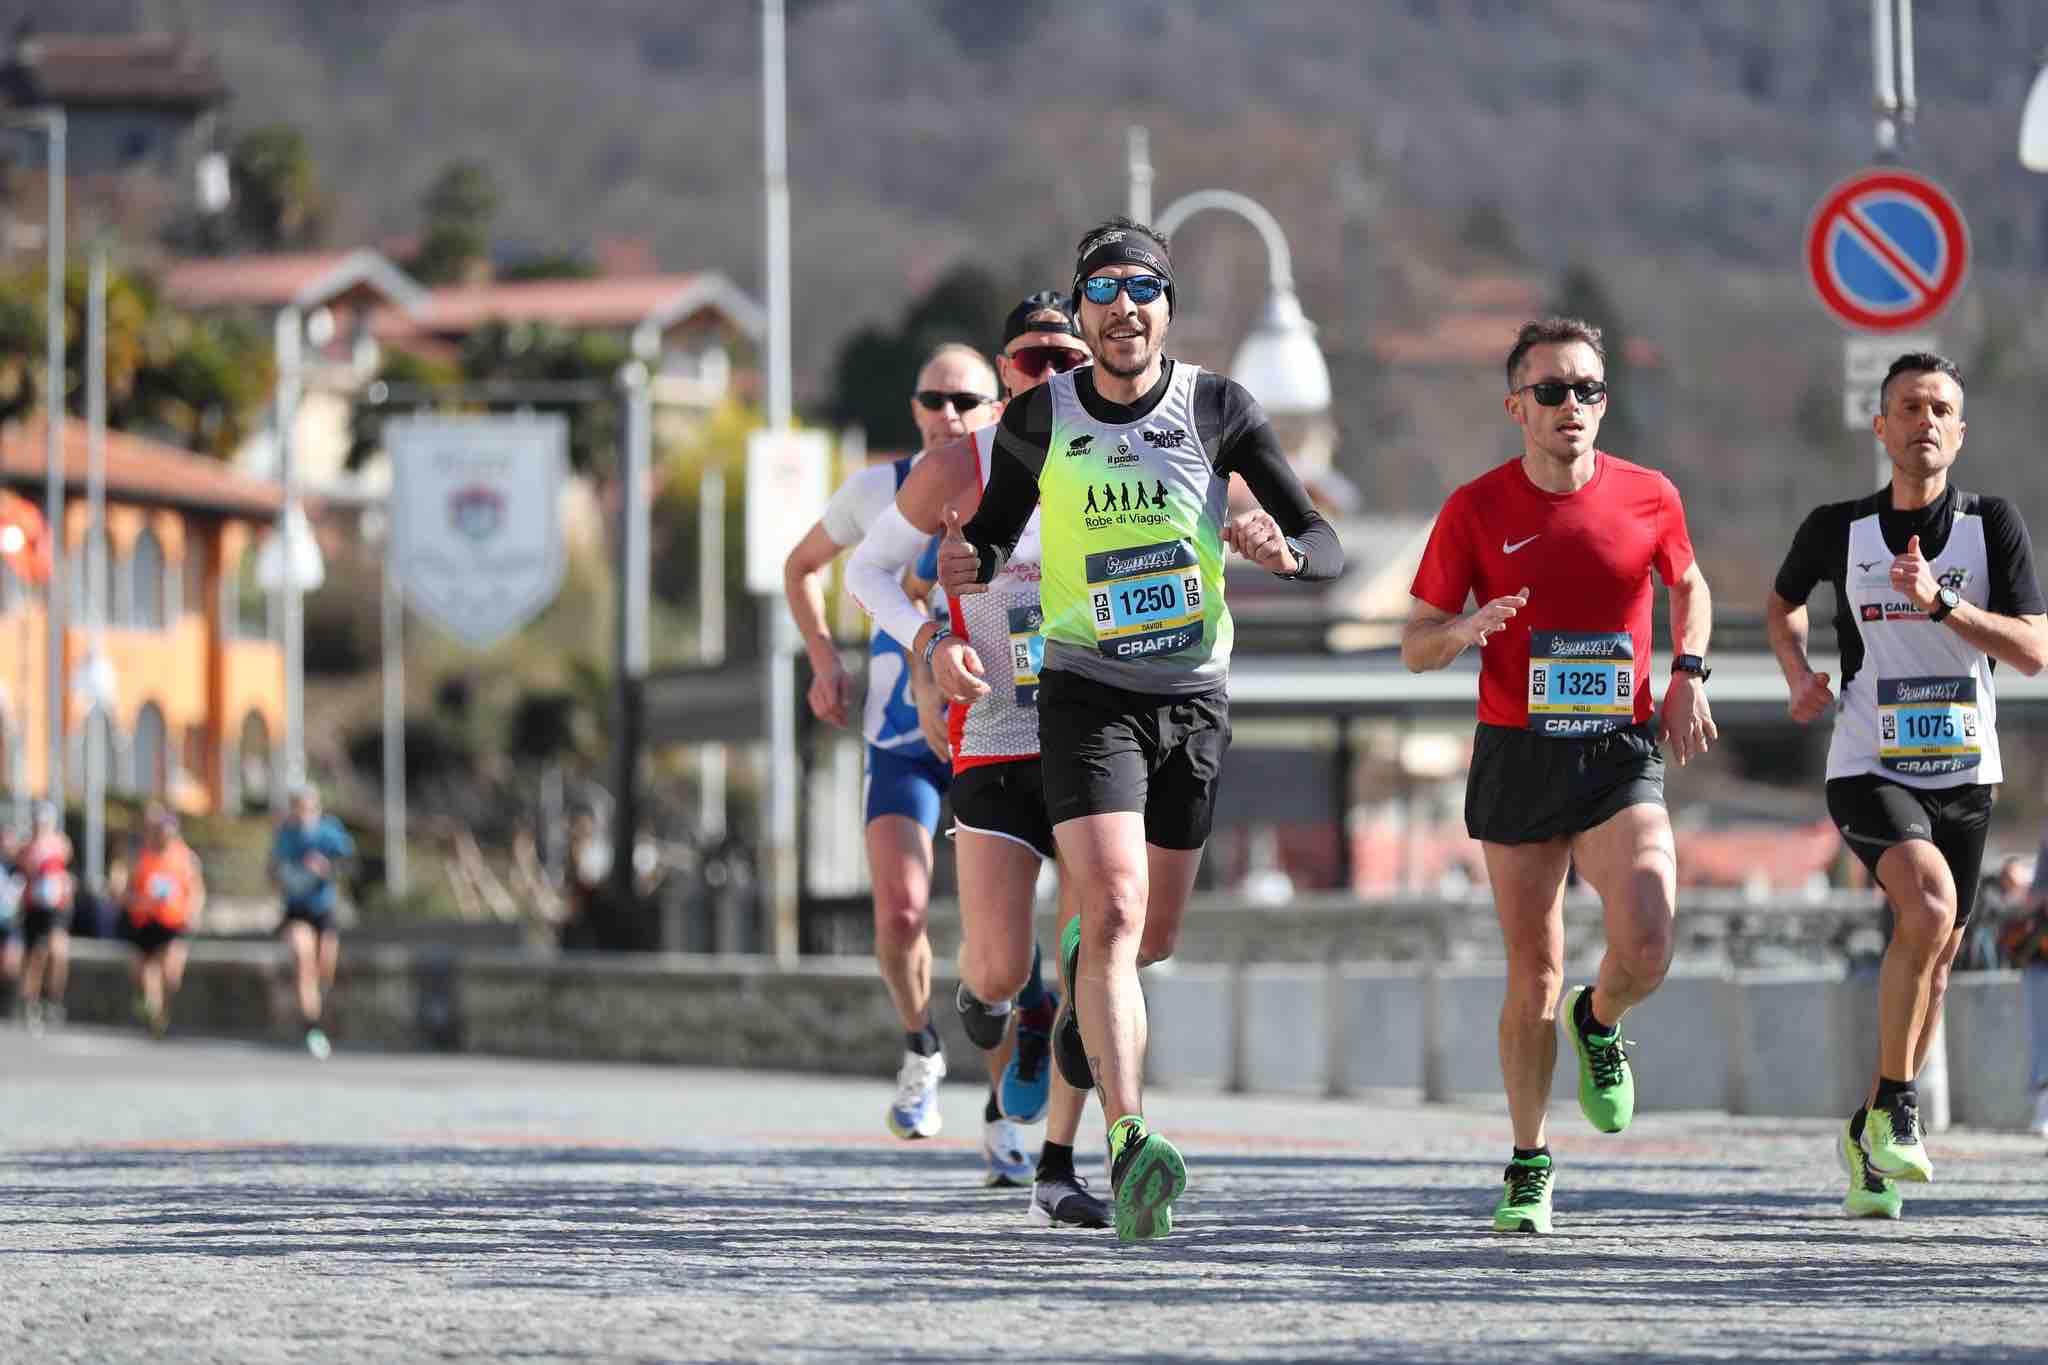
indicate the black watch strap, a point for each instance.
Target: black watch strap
{"x":1693,"y":664}
{"x":1945,"y":601}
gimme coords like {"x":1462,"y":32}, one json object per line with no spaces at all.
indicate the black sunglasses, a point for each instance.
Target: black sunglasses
{"x":1550,"y":392}
{"x":931,"y":400}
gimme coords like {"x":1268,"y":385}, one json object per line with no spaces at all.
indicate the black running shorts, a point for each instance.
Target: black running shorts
{"x":1875,"y":813}
{"x":38,"y":924}
{"x":1006,"y":800}
{"x":1526,"y":788}
{"x":321,"y":921}
{"x":1106,"y":749}
{"x":152,"y":938}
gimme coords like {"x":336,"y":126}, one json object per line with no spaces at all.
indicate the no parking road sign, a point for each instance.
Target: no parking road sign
{"x":1887,"y":250}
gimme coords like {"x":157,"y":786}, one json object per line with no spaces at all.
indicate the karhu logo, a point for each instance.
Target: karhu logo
{"x":1079,"y":445}
{"x":1166,"y":440}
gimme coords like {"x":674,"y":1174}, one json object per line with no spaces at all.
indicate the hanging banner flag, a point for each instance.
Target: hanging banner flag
{"x":476,"y":521}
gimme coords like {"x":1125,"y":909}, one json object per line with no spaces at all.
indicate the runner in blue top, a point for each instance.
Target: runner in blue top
{"x":303,"y":863}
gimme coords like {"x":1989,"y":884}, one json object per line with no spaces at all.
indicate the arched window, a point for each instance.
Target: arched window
{"x":252,"y":762}
{"x":246,"y":608}
{"x":149,"y":768}
{"x":146,"y":586}
{"x":78,"y":753}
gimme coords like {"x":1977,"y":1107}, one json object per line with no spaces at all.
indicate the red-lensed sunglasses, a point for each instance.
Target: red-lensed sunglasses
{"x":1033,"y":361}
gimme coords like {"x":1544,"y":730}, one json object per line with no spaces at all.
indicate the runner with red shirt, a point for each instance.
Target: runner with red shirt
{"x":1558,"y":547}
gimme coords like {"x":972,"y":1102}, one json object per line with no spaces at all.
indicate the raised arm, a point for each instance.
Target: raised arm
{"x":1287,"y":536}
{"x":967,"y":565}
{"x":1433,"y":637}
{"x":874,"y":575}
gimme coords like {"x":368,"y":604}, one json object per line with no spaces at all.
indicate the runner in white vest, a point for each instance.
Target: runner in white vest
{"x":906,"y":780}
{"x":989,"y":669}
{"x":1933,"y":588}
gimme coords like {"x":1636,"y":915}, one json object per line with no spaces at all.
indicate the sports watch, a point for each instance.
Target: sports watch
{"x":1945,"y":601}
{"x":1693,"y":664}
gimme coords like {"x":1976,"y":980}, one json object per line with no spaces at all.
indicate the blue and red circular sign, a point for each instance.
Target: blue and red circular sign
{"x":1887,"y":250}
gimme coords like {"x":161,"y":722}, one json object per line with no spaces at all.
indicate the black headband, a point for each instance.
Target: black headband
{"x":1123,"y":246}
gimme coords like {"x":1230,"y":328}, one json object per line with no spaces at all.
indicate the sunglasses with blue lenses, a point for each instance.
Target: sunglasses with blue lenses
{"x":1104,"y":288}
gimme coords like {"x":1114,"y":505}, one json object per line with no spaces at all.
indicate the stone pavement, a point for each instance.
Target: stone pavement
{"x":196,"y":1201}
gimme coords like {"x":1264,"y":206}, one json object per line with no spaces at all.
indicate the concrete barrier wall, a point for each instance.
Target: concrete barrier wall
{"x":1784,"y":1043}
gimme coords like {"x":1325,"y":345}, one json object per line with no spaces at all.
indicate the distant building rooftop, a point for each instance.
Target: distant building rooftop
{"x":280,"y":279}
{"x":138,"y":470}
{"x":156,"y":70}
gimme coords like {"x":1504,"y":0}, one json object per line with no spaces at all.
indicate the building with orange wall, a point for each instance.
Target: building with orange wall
{"x":198,"y":708}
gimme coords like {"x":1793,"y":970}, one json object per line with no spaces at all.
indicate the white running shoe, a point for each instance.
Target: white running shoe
{"x":1002,"y":1146}
{"x":2041,"y":1112}
{"x":914,"y":1113}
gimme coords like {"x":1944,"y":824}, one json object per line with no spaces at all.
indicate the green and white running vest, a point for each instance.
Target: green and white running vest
{"x":1131,"y":523}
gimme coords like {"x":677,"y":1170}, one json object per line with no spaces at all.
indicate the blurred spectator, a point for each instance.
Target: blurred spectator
{"x":2024,"y":942}
{"x":2000,"y":897}
{"x":303,"y":864}
{"x":45,"y":865}
{"x":590,"y":863}
{"x":165,"y":895}
{"x":12,"y":884}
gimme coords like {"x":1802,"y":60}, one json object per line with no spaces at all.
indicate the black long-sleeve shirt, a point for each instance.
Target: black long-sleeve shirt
{"x":1232,"y":427}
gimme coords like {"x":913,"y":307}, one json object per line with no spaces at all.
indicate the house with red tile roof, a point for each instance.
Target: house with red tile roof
{"x":198,"y":707}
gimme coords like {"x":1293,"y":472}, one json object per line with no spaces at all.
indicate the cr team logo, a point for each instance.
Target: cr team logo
{"x":476,"y":511}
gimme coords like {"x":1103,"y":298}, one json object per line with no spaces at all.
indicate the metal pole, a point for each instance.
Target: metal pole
{"x":1885,"y":88}
{"x":290,"y":333}
{"x":1909,"y":99}
{"x":630,"y":661}
{"x":53,"y":510}
{"x":711,"y":758}
{"x":778,"y":646}
{"x":397,"y":876}
{"x":775,"y":149}
{"x":1138,"y":153}
{"x":96,"y":572}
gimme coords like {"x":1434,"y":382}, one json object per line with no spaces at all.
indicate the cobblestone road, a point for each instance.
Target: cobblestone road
{"x":218,"y":1202}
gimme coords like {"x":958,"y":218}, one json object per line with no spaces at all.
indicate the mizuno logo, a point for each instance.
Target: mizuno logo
{"x":1507,"y":549}
{"x":1863,"y":567}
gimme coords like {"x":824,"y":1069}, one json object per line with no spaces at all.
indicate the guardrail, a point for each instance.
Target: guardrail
{"x":1794,"y":1042}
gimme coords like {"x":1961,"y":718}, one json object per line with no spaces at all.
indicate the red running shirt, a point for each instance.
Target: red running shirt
{"x":1585,"y":558}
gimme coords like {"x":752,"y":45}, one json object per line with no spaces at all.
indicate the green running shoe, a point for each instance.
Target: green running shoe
{"x":1891,"y":1140}
{"x":1870,"y":1194}
{"x":1607,"y":1088}
{"x":1068,"y":1049}
{"x":1525,"y":1201}
{"x":1146,"y":1175}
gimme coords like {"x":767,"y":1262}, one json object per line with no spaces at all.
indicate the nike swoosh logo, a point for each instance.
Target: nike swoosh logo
{"x":1508,"y":549}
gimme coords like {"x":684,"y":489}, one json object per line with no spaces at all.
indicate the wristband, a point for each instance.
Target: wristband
{"x":943,"y":632}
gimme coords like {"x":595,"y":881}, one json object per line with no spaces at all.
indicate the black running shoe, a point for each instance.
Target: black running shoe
{"x":1067,"y":1046}
{"x":984,"y":1029}
{"x":1064,"y":1200}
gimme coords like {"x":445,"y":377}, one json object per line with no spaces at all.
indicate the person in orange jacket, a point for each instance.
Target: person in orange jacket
{"x":166,"y":892}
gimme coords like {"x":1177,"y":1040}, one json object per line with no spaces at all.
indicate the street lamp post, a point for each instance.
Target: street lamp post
{"x":1279,"y":362}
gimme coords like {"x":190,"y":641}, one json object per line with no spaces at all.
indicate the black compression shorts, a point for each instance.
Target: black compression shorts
{"x":1875,"y":814}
